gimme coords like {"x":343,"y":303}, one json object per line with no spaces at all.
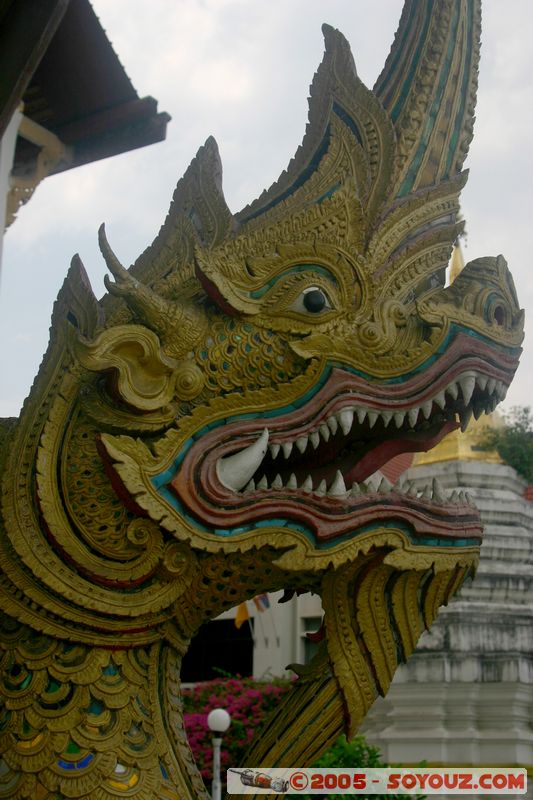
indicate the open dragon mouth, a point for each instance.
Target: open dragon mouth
{"x":317,"y":464}
{"x":334,"y":453}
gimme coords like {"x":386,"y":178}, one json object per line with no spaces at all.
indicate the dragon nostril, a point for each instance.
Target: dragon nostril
{"x":499,"y":316}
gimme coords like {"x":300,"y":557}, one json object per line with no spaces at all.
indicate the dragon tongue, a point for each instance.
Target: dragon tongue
{"x":235,"y":471}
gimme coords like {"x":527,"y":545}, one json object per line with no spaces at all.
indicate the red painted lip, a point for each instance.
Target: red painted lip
{"x":199,"y":489}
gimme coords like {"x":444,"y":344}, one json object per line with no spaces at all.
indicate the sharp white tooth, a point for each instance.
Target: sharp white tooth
{"x":400,"y":485}
{"x":361,"y":415}
{"x":452,"y":390}
{"x":410,"y":489}
{"x":399,"y":417}
{"x":321,"y":488}
{"x":386,"y":416}
{"x":263,"y":483}
{"x":426,"y":408}
{"x":250,"y":487}
{"x":291,"y":484}
{"x":462,"y":497}
{"x":356,"y":490}
{"x":501,"y":390}
{"x":455,"y":497}
{"x":438,"y":492}
{"x":467,"y":383}
{"x":373,"y":481}
{"x":413,"y":416}
{"x":482,"y":381}
{"x":345,"y":419}
{"x":277,"y":483}
{"x":287,"y":449}
{"x":235,"y":471}
{"x":372,"y":418}
{"x":315,"y":439}
{"x":338,"y":487}
{"x":301,"y":443}
{"x":274,"y":450}
{"x":307,"y":485}
{"x":491,"y":385}
{"x":470,"y":499}
{"x":479,"y":409}
{"x":465,"y":417}
{"x":385,"y":486}
{"x":333,"y":425}
{"x":426,"y":494}
{"x":325,"y":432}
{"x":440,"y":400}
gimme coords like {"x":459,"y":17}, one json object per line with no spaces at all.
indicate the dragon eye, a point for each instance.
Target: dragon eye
{"x":312,"y":300}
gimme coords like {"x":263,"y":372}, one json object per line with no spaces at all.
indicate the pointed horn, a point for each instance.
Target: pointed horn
{"x":113,"y":264}
{"x":178,"y":325}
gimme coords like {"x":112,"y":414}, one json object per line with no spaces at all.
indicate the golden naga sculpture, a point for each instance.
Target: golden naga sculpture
{"x":205,"y":433}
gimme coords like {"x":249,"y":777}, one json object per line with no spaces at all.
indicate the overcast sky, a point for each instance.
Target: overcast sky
{"x":240,"y":70}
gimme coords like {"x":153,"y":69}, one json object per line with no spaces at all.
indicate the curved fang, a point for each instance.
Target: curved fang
{"x":235,"y":471}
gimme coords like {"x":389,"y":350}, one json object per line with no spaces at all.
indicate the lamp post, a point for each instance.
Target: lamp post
{"x":218,"y":721}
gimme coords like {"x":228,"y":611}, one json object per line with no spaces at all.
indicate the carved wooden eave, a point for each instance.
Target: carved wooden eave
{"x":58,"y":65}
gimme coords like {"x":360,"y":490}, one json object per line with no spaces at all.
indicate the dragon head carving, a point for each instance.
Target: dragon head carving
{"x":214,"y":427}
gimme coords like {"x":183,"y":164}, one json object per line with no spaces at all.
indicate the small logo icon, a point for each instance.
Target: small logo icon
{"x":299,"y":781}
{"x":261,"y":780}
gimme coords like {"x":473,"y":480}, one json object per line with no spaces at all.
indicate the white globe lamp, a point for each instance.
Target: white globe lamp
{"x":218,"y":721}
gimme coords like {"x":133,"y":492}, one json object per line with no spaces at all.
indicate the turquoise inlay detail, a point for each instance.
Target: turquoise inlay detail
{"x":378,"y":88}
{"x":300,"y":268}
{"x":173,"y":501}
{"x":464,"y":87}
{"x":96,"y":707}
{"x":300,"y":180}
{"x":409,"y":179}
{"x":270,"y":523}
{"x":328,"y":194}
{"x":348,"y":121}
{"x":399,"y":525}
{"x":164,"y":477}
{"x":396,"y":111}
{"x":27,"y":680}
{"x":111,"y":670}
{"x":493,"y":297}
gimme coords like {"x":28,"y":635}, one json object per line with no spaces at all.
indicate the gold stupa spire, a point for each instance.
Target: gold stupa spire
{"x":457,"y":262}
{"x":459,"y":446}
